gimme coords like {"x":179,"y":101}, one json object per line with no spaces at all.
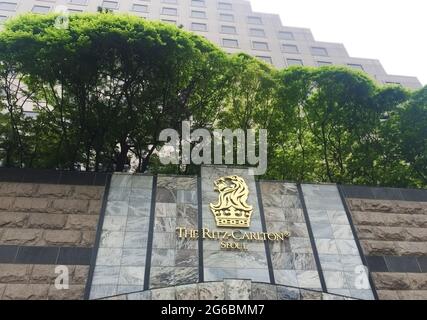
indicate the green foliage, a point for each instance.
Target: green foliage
{"x":105,"y":87}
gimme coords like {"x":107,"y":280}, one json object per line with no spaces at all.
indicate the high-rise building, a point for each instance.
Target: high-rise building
{"x":232,"y":25}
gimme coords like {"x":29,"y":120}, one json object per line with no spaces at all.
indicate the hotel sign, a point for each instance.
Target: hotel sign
{"x":232,"y":211}
{"x":232,"y":240}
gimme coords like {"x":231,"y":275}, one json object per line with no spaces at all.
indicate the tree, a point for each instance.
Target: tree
{"x":108,"y":84}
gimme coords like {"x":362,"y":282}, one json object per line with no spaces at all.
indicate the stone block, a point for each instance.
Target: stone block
{"x":411,"y":248}
{"x":391,"y":281}
{"x":94,"y":207}
{"x":17,"y":189}
{"x":6,"y":203}
{"x":62,"y":237}
{"x":417,"y":281}
{"x":71,"y":206}
{"x":416,"y":234}
{"x":26,"y":292}
{"x":88,"y":192}
{"x":412,"y":294}
{"x":22,"y":237}
{"x":31,"y":204}
{"x":46,"y":221}
{"x":82,"y":222}
{"x":379,"y":248}
{"x":54,"y":191}
{"x":387,"y":295}
{"x":2,"y":289}
{"x":45,"y":274}
{"x":88,"y":238}
{"x":14,"y":273}
{"x":13,"y":219}
{"x":80,"y":275}
{"x":74,"y":292}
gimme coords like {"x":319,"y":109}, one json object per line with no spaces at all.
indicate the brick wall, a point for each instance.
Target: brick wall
{"x":393,"y":235}
{"x":43,"y":225}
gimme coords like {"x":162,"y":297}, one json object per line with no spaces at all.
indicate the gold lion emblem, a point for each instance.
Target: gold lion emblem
{"x":232,"y":209}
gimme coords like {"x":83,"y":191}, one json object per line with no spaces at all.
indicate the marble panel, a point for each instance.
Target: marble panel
{"x":134,"y":257}
{"x":263,"y":291}
{"x":187,"y":292}
{"x":237,"y":289}
{"x":132,"y":275}
{"x":308,"y":279}
{"x":211,"y":291}
{"x":284,"y":293}
{"x":142,"y":182}
{"x":106,"y":275}
{"x":117,"y":208}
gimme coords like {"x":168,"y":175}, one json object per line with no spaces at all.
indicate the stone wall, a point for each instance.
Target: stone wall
{"x":43,"y":225}
{"x":393,"y":234}
{"x":229,"y":289}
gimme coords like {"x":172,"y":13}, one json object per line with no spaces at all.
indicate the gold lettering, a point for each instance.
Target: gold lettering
{"x":272,"y":236}
{"x":280,"y":236}
{"x":207,"y":234}
{"x":237,"y":235}
{"x":182,"y":232}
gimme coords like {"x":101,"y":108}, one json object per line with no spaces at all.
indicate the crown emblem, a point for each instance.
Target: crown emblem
{"x":232,"y":209}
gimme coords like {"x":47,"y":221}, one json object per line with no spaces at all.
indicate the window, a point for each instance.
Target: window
{"x":170,"y":11}
{"x":323,"y":63}
{"x":170,"y":1}
{"x":230,"y":43}
{"x":3,"y":19}
{"x":226,"y":17}
{"x":228,"y":29}
{"x":110,"y":4}
{"x":257,"y":33}
{"x":355,"y":66}
{"x":294,"y":62}
{"x":265,"y":59}
{"x":393,"y":83}
{"x":259,"y":45}
{"x":198,"y":3}
{"x":318,"y":51}
{"x":225,"y":6}
{"x":198,"y":14}
{"x":74,"y":10}
{"x":254,"y":20}
{"x":199,"y":26}
{"x":40,"y":9}
{"x":8,"y":6}
{"x":285,"y":35}
{"x":140,"y":8}
{"x":290,"y":48}
{"x":169,"y":21}
{"x":78,"y":2}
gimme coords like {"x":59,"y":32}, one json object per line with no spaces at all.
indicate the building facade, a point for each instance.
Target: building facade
{"x":143,"y":237}
{"x":232,"y":25}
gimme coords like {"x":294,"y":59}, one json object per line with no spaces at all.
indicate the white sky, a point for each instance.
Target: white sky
{"x":393,"y":31}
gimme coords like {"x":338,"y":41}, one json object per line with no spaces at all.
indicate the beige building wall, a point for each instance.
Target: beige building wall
{"x":232,"y":25}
